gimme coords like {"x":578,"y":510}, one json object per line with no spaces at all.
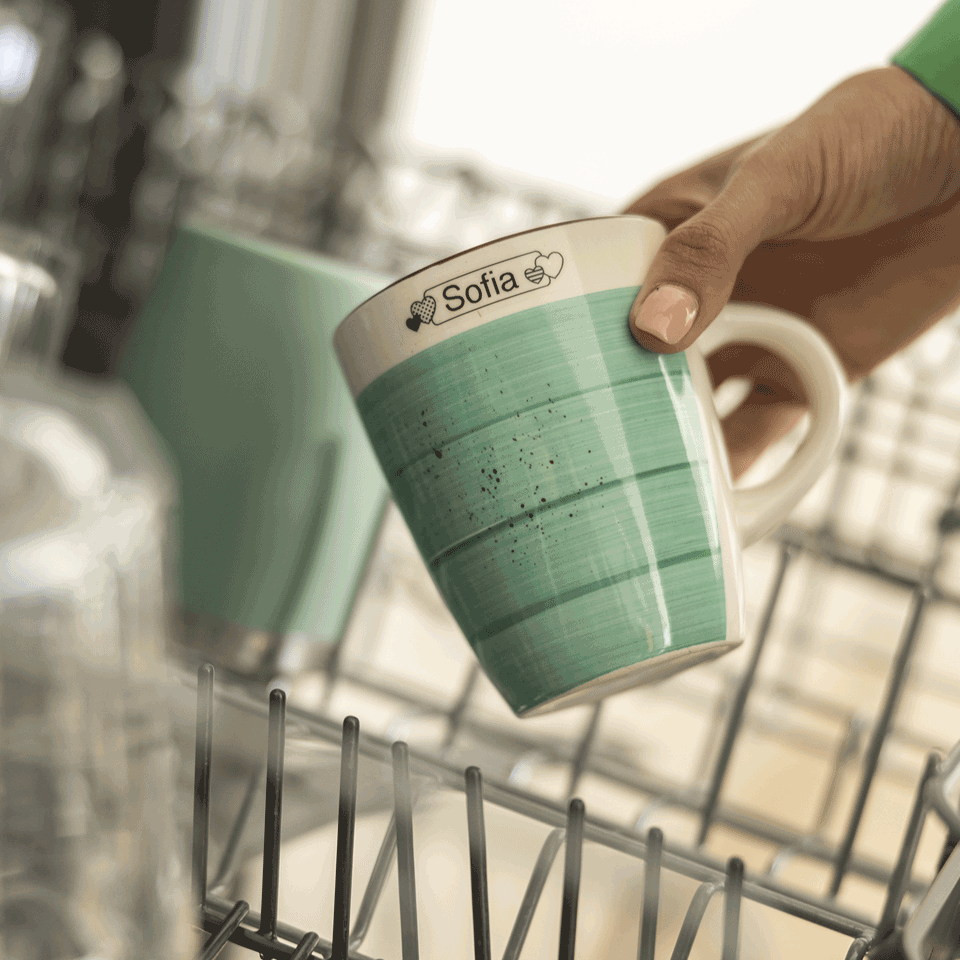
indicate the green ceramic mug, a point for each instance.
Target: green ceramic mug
{"x":280,"y":494}
{"x":568,"y":490}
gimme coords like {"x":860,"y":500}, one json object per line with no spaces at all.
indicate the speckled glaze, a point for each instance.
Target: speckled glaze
{"x":556,"y":480}
{"x":570,"y":491}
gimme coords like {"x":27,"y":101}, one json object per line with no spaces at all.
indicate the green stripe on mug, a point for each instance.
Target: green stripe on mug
{"x":520,"y":447}
{"x":570,"y":491}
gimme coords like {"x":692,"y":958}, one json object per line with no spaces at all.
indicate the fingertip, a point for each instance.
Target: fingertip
{"x":652,"y":343}
{"x":666,"y":314}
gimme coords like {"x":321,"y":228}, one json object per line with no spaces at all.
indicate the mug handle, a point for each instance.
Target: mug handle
{"x":759,"y":509}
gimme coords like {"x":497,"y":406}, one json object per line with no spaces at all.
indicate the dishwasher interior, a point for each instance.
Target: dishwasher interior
{"x":796,"y":798}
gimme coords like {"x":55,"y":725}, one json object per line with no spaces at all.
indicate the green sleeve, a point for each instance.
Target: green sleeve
{"x":933,"y":56}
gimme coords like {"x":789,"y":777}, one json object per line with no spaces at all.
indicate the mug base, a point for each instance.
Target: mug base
{"x":636,"y":675}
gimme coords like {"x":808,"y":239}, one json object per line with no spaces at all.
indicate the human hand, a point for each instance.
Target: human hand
{"x":848,"y":216}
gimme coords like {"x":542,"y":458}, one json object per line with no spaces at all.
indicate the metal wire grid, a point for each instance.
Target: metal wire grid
{"x":916,"y":404}
{"x":225,"y":921}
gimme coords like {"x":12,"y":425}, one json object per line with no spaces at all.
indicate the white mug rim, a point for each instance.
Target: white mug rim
{"x":467,"y":251}
{"x":373,"y":338}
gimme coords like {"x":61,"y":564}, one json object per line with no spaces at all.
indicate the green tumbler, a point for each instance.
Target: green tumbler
{"x":280,"y":493}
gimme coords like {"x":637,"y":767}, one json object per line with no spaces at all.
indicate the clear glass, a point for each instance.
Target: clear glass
{"x":33,"y":35}
{"x":39,"y":280}
{"x":90,"y":862}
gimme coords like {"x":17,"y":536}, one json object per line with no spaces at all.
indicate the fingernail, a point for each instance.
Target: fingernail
{"x":668,"y":313}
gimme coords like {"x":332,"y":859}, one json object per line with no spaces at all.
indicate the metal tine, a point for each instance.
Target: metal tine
{"x":936,"y":795}
{"x":212,"y":948}
{"x":305,"y":947}
{"x":538,"y":879}
{"x":871,"y":760}
{"x":782,"y":857}
{"x":732,"y":895}
{"x":717,"y":714}
{"x":346,"y":823}
{"x":646,"y":949}
{"x":657,"y":804}
{"x":735,"y":718}
{"x":693,"y":919}
{"x":949,"y":845}
{"x":375,"y":885}
{"x":858,"y":949}
{"x":478,"y":863}
{"x":272,"y":814}
{"x":845,"y":755}
{"x":406,"y":877}
{"x":571,"y":879}
{"x":201,"y":786}
{"x":384,"y":862}
{"x":797,"y":639}
{"x":283,"y":945}
{"x":908,"y":850}
{"x":583,"y":749}
{"x":458,"y":710}
{"x":231,"y":852}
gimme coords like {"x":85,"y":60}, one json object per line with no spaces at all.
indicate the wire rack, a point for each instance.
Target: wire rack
{"x":794,"y":799}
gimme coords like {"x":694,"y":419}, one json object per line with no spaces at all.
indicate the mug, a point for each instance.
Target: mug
{"x":280,"y":493}
{"x":570,"y":491}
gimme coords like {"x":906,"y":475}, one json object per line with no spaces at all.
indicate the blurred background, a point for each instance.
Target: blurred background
{"x":384,"y":131}
{"x":378,"y":136}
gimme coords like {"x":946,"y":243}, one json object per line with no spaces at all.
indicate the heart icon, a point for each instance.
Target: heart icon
{"x":413,"y":323}
{"x":424,"y":309}
{"x":551,"y":265}
{"x":534,"y":274}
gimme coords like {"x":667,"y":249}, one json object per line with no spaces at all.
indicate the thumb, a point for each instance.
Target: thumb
{"x":695,"y":269}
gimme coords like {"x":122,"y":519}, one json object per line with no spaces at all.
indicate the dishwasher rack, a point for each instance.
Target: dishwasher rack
{"x":263,"y":932}
{"x":900,"y":468}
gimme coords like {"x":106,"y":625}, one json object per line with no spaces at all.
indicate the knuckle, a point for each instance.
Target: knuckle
{"x":703,"y":246}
